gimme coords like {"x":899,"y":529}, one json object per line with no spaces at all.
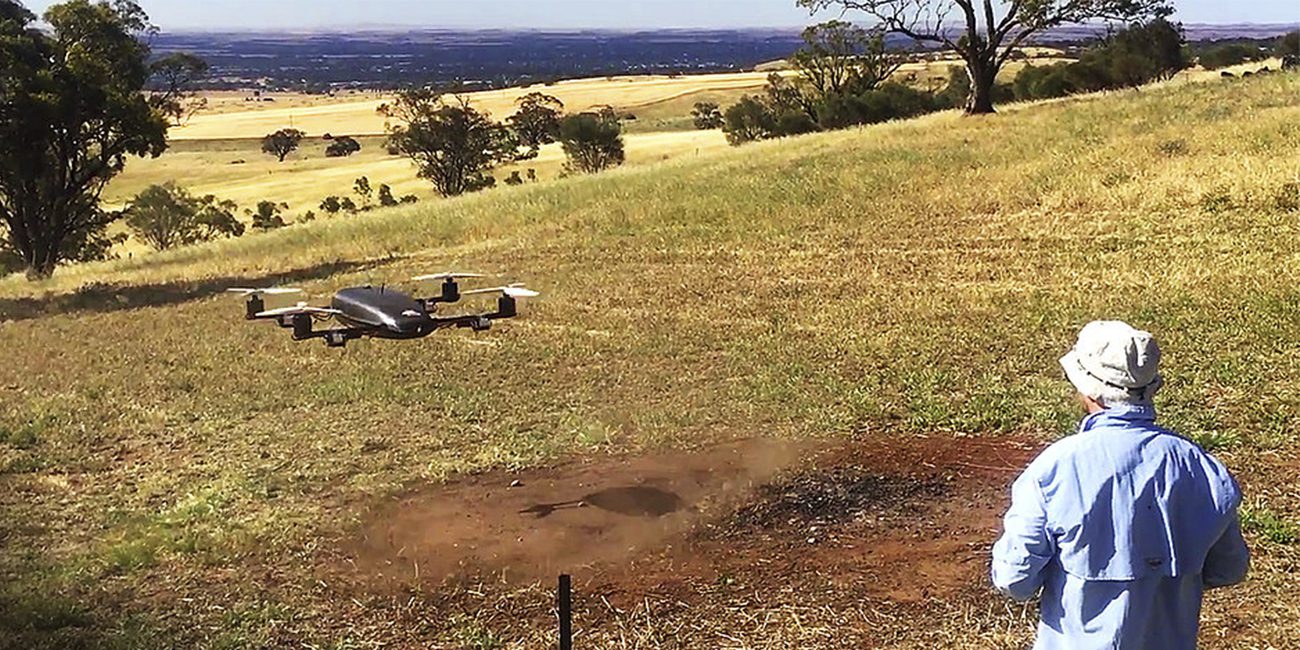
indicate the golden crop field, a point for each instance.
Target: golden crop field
{"x":349,"y":115}
{"x":172,"y":476}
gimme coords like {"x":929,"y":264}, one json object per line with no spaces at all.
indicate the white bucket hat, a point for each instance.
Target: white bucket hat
{"x":1114,"y":363}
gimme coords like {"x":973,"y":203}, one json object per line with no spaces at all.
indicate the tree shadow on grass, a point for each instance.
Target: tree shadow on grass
{"x":103,"y":298}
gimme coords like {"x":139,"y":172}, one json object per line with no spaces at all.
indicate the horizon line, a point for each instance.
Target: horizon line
{"x":395,"y":28}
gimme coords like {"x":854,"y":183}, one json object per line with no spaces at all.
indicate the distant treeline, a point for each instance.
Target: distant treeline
{"x":844,"y":78}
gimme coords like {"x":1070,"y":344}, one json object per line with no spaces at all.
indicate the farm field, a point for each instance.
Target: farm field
{"x":867,"y":320}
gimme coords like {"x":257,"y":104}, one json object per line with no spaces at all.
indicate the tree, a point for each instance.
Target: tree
{"x":166,"y":216}
{"x":267,"y":216}
{"x":839,"y":57}
{"x":282,"y":143}
{"x":1138,"y":54}
{"x":592,"y":141}
{"x":1231,"y":54}
{"x":748,"y":120}
{"x":386,"y":196}
{"x":363,"y":189}
{"x":1288,"y":45}
{"x":173,"y":80}
{"x":452,"y":145}
{"x":991,"y":31}
{"x":342,"y":147}
{"x":331,"y":205}
{"x":72,"y":110}
{"x":707,"y":116}
{"x":537,"y":122}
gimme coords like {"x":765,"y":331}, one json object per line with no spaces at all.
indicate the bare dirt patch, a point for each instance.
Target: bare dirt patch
{"x":572,"y":518}
{"x":885,"y":511}
{"x":758,"y":544}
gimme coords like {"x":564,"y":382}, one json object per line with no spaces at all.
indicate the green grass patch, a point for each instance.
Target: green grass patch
{"x":1258,"y":519}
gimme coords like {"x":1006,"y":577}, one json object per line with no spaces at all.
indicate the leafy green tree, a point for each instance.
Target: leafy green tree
{"x":1139,"y":54}
{"x":1044,"y":81}
{"x":592,"y":141}
{"x":73,"y":109}
{"x":1231,"y":54}
{"x":748,"y":120}
{"x":838,"y":57}
{"x":990,"y":31}
{"x":453,"y":145}
{"x":268,"y":215}
{"x":282,"y":143}
{"x":890,"y":101}
{"x":785,"y":95}
{"x":166,"y":216}
{"x":707,"y":116}
{"x":1289,"y":46}
{"x":342,"y":147}
{"x":537,"y":122}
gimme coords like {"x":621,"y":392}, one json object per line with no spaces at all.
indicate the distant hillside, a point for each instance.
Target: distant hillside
{"x":493,"y":59}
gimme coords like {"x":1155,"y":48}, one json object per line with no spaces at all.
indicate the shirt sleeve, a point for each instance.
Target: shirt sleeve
{"x":1026,"y":547}
{"x":1229,"y":559}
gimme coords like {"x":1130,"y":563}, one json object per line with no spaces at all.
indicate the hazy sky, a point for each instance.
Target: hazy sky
{"x":558,"y":14}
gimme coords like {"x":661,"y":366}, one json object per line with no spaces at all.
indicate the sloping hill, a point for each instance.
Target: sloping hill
{"x":889,"y":281}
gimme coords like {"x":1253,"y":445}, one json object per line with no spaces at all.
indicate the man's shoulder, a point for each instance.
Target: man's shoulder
{"x":1131,"y":439}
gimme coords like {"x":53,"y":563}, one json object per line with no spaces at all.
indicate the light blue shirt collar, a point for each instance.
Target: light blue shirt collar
{"x":1119,"y":415}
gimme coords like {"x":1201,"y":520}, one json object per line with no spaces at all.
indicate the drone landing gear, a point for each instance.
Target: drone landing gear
{"x":339,"y":338}
{"x":255,"y":306}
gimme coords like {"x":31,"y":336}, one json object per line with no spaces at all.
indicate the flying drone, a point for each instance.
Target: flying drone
{"x":381,"y":312}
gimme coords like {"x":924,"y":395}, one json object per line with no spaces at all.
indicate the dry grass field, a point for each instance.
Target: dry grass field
{"x":218,"y":151}
{"x":883,"y":306}
{"x":353,"y":115}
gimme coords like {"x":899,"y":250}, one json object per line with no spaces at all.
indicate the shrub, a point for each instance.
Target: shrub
{"x":748,"y":120}
{"x":1230,"y":54}
{"x":342,"y":147}
{"x":268,"y":215}
{"x":592,"y":141}
{"x":166,"y":216}
{"x":707,"y":116}
{"x":331,"y":205}
{"x":386,"y":196}
{"x":1173,"y":148}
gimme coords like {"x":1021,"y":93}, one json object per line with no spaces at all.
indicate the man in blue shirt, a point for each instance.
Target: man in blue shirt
{"x":1123,"y":526}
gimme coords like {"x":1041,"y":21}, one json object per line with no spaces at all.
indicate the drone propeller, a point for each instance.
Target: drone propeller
{"x":300,"y":308}
{"x":516,"y":290}
{"x":446,"y":276}
{"x":269,"y":291}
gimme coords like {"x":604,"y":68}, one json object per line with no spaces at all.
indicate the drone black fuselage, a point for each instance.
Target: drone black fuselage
{"x":383,"y":313}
